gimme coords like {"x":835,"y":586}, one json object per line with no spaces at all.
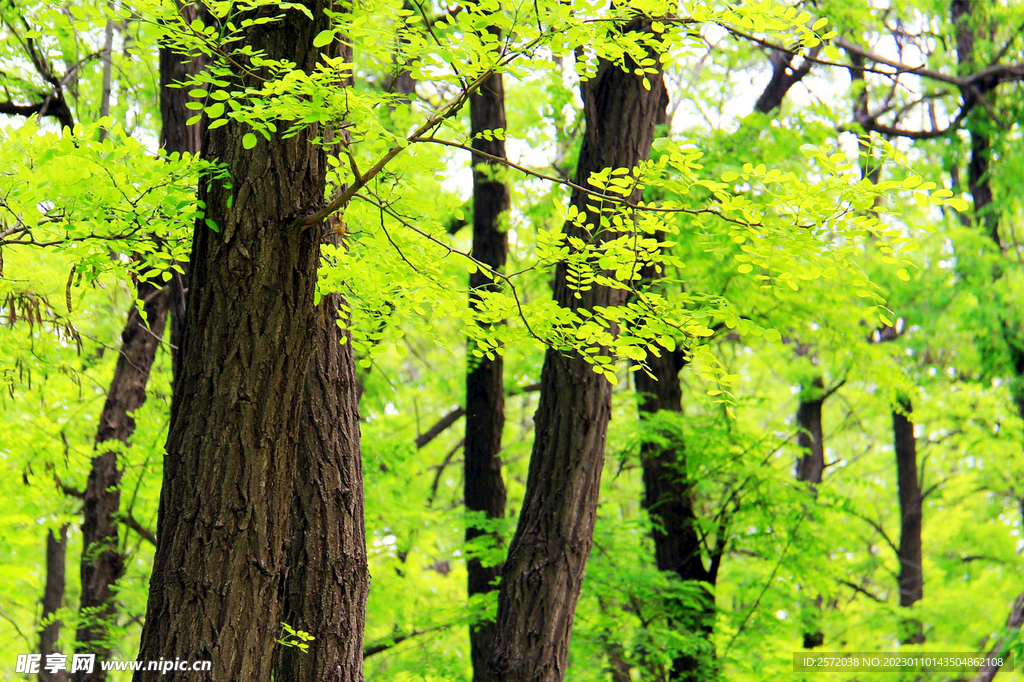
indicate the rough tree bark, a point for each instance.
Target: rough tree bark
{"x":53,"y":599}
{"x":328,"y":579}
{"x":809,"y":469}
{"x":911,"y":576}
{"x":102,"y":563}
{"x":483,"y":487}
{"x":544,"y":570}
{"x":232,"y":445}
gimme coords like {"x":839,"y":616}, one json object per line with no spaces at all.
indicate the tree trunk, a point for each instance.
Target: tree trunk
{"x":963,"y":15}
{"x":175,"y":136}
{"x":232,"y":445}
{"x":547,"y":557}
{"x":328,"y":580}
{"x":484,"y":489}
{"x":668,"y":498}
{"x":53,"y":599}
{"x":128,"y":387}
{"x":668,"y":495}
{"x":809,"y":469}
{"x":911,"y":577}
{"x":102,"y":564}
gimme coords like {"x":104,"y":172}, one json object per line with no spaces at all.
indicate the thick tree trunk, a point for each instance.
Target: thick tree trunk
{"x":328,"y":580}
{"x":233,"y":441}
{"x":53,"y":599}
{"x":668,"y":495}
{"x":809,"y":469}
{"x":102,"y":564}
{"x":548,"y":554}
{"x":484,"y":489}
{"x":911,"y":577}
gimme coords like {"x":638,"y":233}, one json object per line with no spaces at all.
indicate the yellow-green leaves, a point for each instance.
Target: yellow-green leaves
{"x":323,"y":38}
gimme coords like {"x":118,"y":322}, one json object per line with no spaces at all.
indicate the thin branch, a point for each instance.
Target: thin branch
{"x":453,"y":416}
{"x":145,"y":533}
{"x":390,"y":642}
{"x":857,"y":588}
{"x":440,"y":427}
{"x":440,"y":470}
{"x":1013,"y":622}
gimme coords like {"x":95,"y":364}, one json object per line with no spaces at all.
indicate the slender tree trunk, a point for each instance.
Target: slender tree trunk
{"x":668,"y":495}
{"x":547,"y":557}
{"x":175,"y":136}
{"x":53,"y":599}
{"x":784,"y":77}
{"x":484,"y":489}
{"x":911,"y":577}
{"x":328,"y":580}
{"x":668,"y":498}
{"x":102,"y":563}
{"x":108,"y":69}
{"x":233,"y":441}
{"x":809,"y":469}
{"x":402,"y":81}
{"x":964,"y":14}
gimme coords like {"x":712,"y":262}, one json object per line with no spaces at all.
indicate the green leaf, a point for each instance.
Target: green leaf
{"x":248,"y":141}
{"x":323,"y":38}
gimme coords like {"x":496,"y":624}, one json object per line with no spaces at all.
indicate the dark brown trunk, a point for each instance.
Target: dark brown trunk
{"x":53,"y":599}
{"x":102,"y":563}
{"x":128,"y":387}
{"x":547,"y":557}
{"x":784,"y":77}
{"x":911,"y":577}
{"x":963,"y":13}
{"x":328,"y":579}
{"x":402,"y":82}
{"x":234,"y":430}
{"x":668,"y":495}
{"x":483,"y":488}
{"x":668,"y":498}
{"x":809,"y":469}
{"x":175,"y":136}
{"x":810,"y":439}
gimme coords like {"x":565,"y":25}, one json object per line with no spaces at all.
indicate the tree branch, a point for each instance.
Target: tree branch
{"x":450,"y":418}
{"x":145,"y":533}
{"x":1013,"y":622}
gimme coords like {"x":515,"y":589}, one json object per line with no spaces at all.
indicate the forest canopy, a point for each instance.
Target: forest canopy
{"x":511,"y":340}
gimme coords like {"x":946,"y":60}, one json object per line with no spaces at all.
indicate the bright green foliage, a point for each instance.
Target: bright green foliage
{"x":765,"y":236}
